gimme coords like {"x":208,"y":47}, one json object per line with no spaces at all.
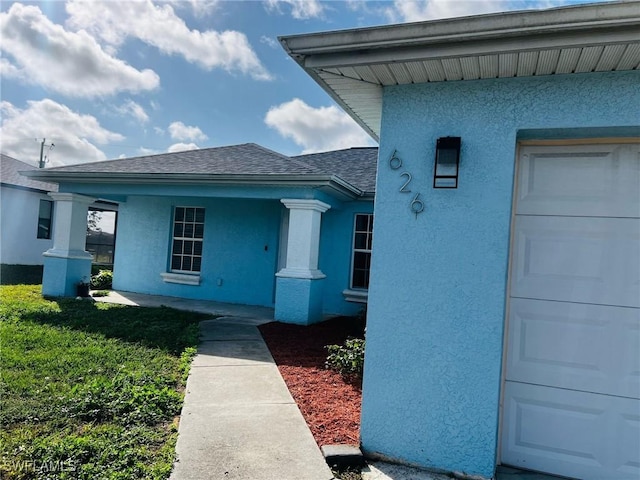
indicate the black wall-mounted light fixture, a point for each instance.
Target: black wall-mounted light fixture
{"x":445,"y":172}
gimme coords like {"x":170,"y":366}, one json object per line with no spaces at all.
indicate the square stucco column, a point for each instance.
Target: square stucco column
{"x":67,"y":263}
{"x":299,"y":283}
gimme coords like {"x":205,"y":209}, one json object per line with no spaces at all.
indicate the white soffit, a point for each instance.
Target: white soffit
{"x":354,"y":65}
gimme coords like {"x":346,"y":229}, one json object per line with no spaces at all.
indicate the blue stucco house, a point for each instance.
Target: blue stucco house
{"x":503,"y":319}
{"x":238,"y":224}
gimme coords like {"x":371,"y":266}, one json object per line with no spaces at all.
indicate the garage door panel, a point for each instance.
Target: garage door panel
{"x":583,"y":180}
{"x":566,"y":432}
{"x":576,"y":346}
{"x":572,"y":370}
{"x":577,"y":259}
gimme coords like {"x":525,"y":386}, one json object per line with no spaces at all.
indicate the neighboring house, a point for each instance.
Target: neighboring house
{"x":101,"y":245}
{"x":26,"y":214}
{"x":239,"y":224}
{"x":503,"y":319}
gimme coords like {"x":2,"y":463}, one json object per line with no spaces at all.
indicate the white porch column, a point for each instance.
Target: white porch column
{"x":303,"y":242}
{"x":67,"y":263}
{"x":299,"y":283}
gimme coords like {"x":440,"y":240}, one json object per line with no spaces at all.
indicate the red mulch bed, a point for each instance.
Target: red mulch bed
{"x":329,"y":404}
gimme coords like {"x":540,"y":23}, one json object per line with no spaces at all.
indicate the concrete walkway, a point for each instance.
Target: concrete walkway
{"x":239,"y":421}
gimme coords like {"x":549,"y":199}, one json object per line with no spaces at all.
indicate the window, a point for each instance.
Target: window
{"x":101,"y":235}
{"x":188,"y":231}
{"x":362,"y":236}
{"x":45,"y":214}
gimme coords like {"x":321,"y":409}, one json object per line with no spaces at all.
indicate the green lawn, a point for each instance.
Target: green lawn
{"x":90,"y":390}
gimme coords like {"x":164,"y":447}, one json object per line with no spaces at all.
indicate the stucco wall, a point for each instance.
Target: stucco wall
{"x":19,"y":244}
{"x":438,"y":289}
{"x":335,"y":254}
{"x":236,"y":234}
{"x":240,"y":249}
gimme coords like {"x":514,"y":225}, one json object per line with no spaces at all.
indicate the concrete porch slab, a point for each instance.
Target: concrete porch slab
{"x":257,"y":314}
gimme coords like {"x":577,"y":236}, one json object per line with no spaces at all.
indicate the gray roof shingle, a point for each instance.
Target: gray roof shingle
{"x":9,"y":175}
{"x":245,"y":159}
{"x":355,"y":165}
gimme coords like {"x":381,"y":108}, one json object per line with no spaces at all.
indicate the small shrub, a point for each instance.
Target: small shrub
{"x":103,"y":280}
{"x":100,"y":293}
{"x":347,"y":359}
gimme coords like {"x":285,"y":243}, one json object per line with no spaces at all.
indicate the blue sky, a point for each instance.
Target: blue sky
{"x":116,"y":79}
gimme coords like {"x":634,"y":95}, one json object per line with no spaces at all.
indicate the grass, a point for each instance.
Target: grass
{"x":101,"y":293}
{"x":90,"y":390}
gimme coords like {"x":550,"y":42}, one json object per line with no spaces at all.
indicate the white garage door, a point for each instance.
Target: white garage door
{"x":572,"y":385}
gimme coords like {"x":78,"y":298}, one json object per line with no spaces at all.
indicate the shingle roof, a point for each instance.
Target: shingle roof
{"x":355,"y":165}
{"x":9,"y":175}
{"x":245,"y":159}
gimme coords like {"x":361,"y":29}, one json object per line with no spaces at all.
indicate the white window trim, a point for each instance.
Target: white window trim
{"x":355,"y":294}
{"x":183,"y":276}
{"x":180,"y":278}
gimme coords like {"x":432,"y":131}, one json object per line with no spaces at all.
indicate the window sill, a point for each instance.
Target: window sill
{"x":180,"y":278}
{"x":356,"y":296}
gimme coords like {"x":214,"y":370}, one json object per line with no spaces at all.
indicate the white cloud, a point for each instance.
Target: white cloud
{"x":180,"y":131}
{"x":181,"y":147}
{"x":300,"y":9}
{"x":37,"y":51}
{"x":73,"y":134}
{"x":418,"y":10}
{"x":159,"y":26}
{"x":272,"y":42}
{"x":143,"y":151}
{"x":316,"y":129}
{"x":200,"y":8}
{"x":133,"y":109}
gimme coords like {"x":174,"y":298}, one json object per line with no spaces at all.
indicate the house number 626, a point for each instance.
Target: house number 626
{"x":416,"y":205}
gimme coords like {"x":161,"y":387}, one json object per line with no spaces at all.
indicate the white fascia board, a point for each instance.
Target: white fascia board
{"x":473,"y":47}
{"x":331,"y":182}
{"x":586,"y":19}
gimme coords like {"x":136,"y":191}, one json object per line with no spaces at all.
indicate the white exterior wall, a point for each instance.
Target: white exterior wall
{"x":19,"y":244}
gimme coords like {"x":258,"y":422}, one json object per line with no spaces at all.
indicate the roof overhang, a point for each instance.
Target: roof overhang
{"x":330,"y":184}
{"x":353,"y":66}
